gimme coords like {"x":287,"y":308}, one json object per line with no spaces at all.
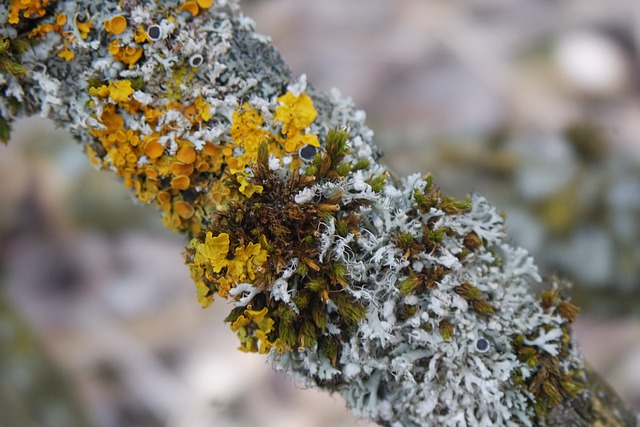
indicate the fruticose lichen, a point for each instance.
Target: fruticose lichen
{"x":411,"y":304}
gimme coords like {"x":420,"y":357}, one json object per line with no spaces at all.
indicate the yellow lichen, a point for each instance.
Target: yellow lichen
{"x":204,"y":294}
{"x":120,"y":91}
{"x":295,"y":113}
{"x":203,"y":108}
{"x":100,"y":91}
{"x":84,"y":27}
{"x":247,"y":188}
{"x":211,"y":262}
{"x":140,"y":35}
{"x":296,"y":141}
{"x":213,"y":252}
{"x":66,"y":54}
{"x":246,"y":261}
{"x":260,"y":325}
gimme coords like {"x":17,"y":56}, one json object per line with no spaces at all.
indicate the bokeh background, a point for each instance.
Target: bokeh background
{"x":535,"y":104}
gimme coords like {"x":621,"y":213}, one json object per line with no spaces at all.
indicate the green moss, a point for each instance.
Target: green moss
{"x":409,"y":285}
{"x":11,"y":51}
{"x":378,"y":183}
{"x":5,"y":130}
{"x":446,"y":329}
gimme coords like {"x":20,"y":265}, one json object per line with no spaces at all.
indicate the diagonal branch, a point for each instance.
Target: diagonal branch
{"x":409,"y":303}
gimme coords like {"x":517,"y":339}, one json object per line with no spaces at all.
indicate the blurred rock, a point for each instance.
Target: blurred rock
{"x":592,"y":63}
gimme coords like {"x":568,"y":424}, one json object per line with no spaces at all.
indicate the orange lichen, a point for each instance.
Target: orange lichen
{"x":205,"y":4}
{"x":128,"y":55}
{"x":180,"y":182}
{"x":184,"y":209}
{"x":29,"y":9}
{"x":42,"y":29}
{"x":116,"y":25}
{"x":182,"y":169}
{"x":187,"y":155}
{"x":184,"y":180}
{"x":66,"y":49}
{"x":191,"y":7}
{"x":154,"y":149}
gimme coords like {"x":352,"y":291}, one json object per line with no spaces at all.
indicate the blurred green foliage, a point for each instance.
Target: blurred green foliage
{"x":33,"y":392}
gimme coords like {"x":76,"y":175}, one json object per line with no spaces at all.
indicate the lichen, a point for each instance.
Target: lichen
{"x":409,"y":303}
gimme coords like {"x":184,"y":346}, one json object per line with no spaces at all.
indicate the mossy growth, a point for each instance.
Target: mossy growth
{"x":11,"y":50}
{"x":548,"y":383}
{"x":287,"y":231}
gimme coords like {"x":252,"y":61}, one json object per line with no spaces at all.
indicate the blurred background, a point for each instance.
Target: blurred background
{"x":535,"y":104}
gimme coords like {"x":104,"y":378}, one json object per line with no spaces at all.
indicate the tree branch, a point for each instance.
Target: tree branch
{"x":409,"y":303}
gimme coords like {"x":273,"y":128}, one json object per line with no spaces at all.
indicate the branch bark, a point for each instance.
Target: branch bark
{"x":409,"y":303}
{"x":599,"y":405}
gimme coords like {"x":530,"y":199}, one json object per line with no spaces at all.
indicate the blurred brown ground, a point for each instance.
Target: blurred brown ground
{"x":103,"y":288}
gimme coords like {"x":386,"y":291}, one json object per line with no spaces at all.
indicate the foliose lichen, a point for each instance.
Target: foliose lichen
{"x":411,"y":304}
